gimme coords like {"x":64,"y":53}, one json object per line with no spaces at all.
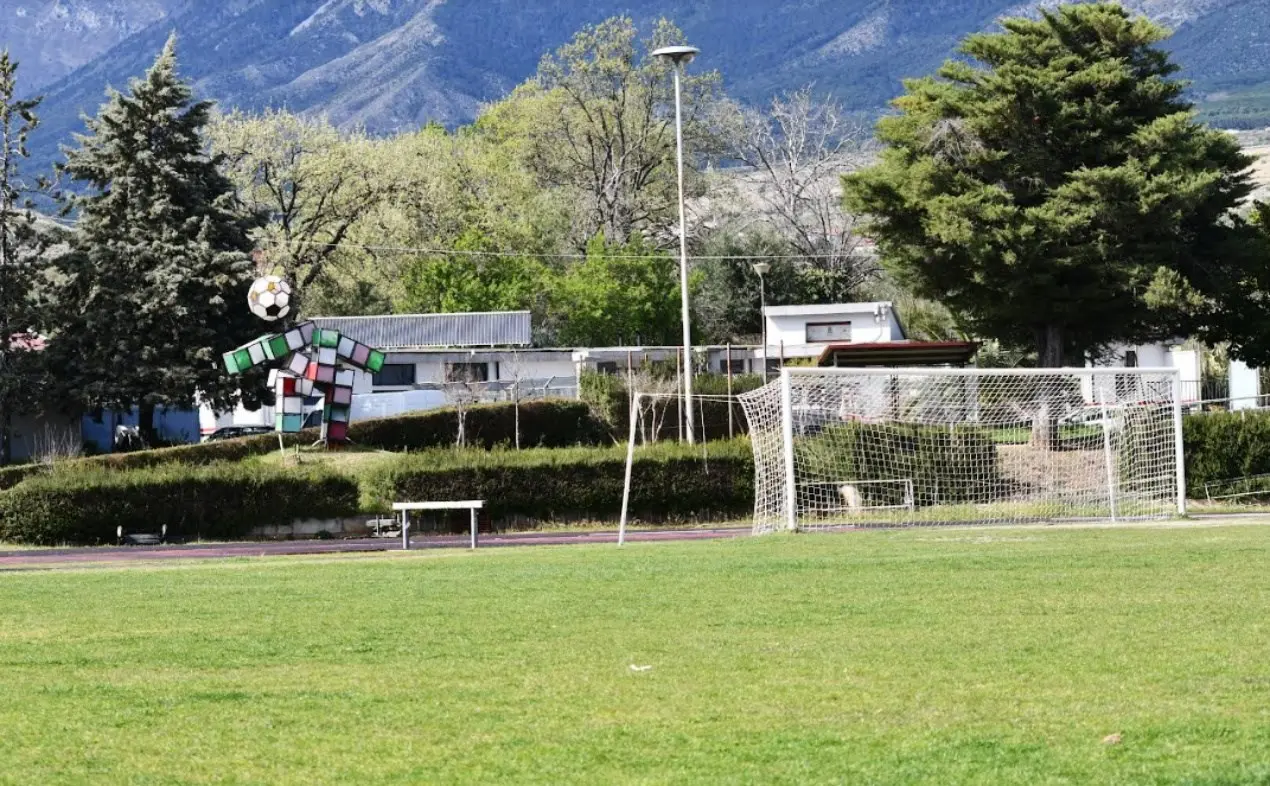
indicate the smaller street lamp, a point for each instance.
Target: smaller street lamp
{"x":763,"y":268}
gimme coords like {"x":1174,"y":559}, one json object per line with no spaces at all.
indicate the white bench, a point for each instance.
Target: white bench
{"x":406,"y":508}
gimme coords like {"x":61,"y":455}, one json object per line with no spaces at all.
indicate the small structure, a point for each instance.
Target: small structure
{"x":312,"y":359}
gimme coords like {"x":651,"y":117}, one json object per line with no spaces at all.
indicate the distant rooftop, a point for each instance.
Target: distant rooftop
{"x":828,"y":308}
{"x":435,"y":331}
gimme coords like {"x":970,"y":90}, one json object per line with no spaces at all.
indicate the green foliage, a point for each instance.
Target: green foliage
{"x":608,"y":396}
{"x":475,"y":278}
{"x":946,"y":466}
{"x":547,"y":424}
{"x":224,"y":501}
{"x":152,"y":286}
{"x":595,"y":120}
{"x":620,"y":294}
{"x":669,"y":482}
{"x":22,"y":373}
{"x":1224,"y":446}
{"x":1039,"y":191}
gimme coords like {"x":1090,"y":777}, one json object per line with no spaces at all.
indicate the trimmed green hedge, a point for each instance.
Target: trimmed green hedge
{"x":945,"y":465}
{"x":546,"y":423}
{"x":12,"y":476}
{"x":221,"y":502}
{"x":1222,"y":446}
{"x":609,"y":399}
{"x":669,"y":483}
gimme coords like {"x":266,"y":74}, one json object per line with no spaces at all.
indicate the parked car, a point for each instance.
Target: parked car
{"x":235,"y":432}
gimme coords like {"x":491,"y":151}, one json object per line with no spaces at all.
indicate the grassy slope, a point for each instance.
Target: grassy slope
{"x":972,"y":656}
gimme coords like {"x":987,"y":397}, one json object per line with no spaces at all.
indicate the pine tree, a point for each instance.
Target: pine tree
{"x":157,"y":273}
{"x":1043,"y":191}
{"x":21,"y":249}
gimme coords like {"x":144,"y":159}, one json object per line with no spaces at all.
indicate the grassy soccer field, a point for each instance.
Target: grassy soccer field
{"x":937,"y":656}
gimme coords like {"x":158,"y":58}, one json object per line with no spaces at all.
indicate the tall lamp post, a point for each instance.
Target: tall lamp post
{"x":681,"y":56}
{"x":763,"y":268}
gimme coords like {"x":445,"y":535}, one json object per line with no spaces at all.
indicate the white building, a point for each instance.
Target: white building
{"x":1159,"y":355}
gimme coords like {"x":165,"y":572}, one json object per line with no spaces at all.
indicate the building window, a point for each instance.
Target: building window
{"x":395,"y":375}
{"x":607,"y":367}
{"x":1131,"y":359}
{"x":824,"y":332}
{"x":737,"y":366}
{"x":467,"y":372}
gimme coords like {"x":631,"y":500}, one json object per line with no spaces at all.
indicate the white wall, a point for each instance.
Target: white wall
{"x":867,"y":327}
{"x":36,"y":435}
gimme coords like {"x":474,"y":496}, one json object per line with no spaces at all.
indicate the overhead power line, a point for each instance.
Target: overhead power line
{"x":527,"y":255}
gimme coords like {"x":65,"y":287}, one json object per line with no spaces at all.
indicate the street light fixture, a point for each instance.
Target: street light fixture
{"x":763,"y":268}
{"x":681,"y":56}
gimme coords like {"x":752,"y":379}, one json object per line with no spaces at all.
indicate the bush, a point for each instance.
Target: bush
{"x":669,"y":482}
{"x":946,"y":466}
{"x":1221,"y":446}
{"x":221,"y":502}
{"x":546,"y":424}
{"x":12,"y":476}
{"x":609,"y":399}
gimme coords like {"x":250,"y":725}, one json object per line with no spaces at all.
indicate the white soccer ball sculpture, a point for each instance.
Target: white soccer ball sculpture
{"x":269,"y":298}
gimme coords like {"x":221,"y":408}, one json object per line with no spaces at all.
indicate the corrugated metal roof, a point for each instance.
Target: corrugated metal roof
{"x":418,"y":331}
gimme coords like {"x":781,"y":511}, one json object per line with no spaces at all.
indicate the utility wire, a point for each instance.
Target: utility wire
{"x":527,"y":255}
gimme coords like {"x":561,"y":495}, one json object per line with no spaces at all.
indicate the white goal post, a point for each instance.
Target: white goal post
{"x":838,"y":447}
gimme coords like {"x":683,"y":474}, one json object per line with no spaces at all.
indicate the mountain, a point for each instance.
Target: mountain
{"x":395,"y":64}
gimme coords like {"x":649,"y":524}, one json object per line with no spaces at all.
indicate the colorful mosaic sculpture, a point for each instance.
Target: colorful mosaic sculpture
{"x":309,"y":361}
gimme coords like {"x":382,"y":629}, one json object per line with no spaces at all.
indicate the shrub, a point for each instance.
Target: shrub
{"x":945,"y":465}
{"x":546,"y":423}
{"x":669,"y":482}
{"x":609,"y":399}
{"x":1221,"y":446}
{"x":12,"y":476}
{"x":224,"y":501}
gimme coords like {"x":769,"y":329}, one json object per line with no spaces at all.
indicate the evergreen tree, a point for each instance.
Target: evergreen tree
{"x":21,"y":249}
{"x":157,"y":275}
{"x":1045,"y":190}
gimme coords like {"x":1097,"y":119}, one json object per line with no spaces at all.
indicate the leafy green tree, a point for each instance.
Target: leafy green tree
{"x":312,"y":182}
{"x":476,"y":277}
{"x":21,"y":249}
{"x":596,"y":122}
{"x":155,"y":281}
{"x":621,"y":293}
{"x":726,"y":298}
{"x":1043,"y":189}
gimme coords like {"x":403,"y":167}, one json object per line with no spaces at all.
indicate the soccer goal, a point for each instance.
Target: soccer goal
{"x":914,"y":446}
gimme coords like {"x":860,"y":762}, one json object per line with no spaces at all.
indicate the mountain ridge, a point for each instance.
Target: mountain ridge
{"x":390,"y":65}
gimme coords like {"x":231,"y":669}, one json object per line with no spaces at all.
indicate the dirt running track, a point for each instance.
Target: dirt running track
{"x":106,"y":556}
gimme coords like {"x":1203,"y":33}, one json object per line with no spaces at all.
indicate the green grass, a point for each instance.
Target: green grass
{"x":920,"y":656}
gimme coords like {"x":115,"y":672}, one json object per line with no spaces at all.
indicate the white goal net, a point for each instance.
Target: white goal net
{"x":893,"y":447}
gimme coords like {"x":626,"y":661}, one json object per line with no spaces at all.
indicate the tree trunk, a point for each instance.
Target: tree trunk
{"x":1049,"y":354}
{"x":145,"y":424}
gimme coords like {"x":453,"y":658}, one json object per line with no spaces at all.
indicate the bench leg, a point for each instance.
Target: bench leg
{"x":473,"y":527}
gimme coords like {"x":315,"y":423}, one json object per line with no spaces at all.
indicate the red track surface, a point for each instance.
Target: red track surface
{"x":72,"y":557}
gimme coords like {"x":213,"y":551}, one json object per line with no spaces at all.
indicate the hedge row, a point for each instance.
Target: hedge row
{"x":547,"y":423}
{"x":669,"y":483}
{"x":945,"y":466}
{"x":221,"y":502}
{"x":609,"y":399}
{"x":543,"y":424}
{"x":1221,"y":446}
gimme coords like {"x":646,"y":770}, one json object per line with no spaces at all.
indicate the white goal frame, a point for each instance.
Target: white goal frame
{"x":788,"y":376}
